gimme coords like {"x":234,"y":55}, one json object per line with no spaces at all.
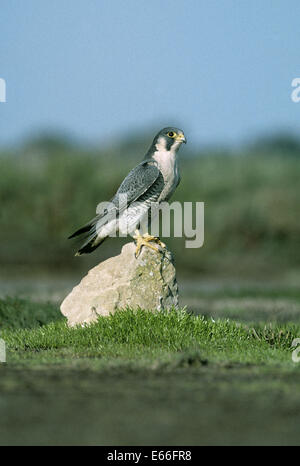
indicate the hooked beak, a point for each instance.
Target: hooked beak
{"x":181,"y":138}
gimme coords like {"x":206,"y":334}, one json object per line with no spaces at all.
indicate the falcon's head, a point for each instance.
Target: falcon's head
{"x":169,"y":139}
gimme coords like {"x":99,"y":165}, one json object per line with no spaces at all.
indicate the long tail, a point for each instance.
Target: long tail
{"x":89,"y":246}
{"x":86,"y":228}
{"x":93,"y":238}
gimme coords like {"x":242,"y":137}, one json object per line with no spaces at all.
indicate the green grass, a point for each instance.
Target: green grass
{"x":224,"y":376}
{"x":20,"y":313}
{"x":141,"y":335}
{"x":135,"y":335}
{"x":138,"y":377}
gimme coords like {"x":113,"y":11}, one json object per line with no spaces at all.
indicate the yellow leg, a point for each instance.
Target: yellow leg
{"x":145,"y":240}
{"x":154,"y":239}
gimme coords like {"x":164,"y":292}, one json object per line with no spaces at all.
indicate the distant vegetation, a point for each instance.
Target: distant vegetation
{"x":51,"y":186}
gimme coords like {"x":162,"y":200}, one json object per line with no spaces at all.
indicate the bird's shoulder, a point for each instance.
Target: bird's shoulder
{"x":141,"y":176}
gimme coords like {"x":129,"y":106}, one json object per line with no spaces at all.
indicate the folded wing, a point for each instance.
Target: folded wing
{"x":143,"y":179}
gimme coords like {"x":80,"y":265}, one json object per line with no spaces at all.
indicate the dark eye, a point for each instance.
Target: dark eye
{"x":171,"y":134}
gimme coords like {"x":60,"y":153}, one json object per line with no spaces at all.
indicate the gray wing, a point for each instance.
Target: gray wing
{"x":144,"y":182}
{"x":139,"y":181}
{"x":142,"y":185}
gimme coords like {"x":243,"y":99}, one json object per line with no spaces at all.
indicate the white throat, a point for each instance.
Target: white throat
{"x":168,"y":164}
{"x":163,"y":157}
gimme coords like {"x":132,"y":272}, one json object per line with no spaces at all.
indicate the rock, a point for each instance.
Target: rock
{"x":148,"y":282}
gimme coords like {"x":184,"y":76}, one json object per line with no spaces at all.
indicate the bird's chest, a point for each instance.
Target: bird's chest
{"x":168,"y":166}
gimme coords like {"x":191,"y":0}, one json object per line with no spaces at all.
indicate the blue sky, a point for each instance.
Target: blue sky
{"x":102,"y":69}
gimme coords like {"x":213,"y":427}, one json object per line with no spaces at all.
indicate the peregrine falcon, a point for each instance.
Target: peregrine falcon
{"x":152,"y":181}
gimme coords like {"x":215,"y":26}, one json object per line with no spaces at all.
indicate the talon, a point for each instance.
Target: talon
{"x":154,"y":239}
{"x":161,"y":243}
{"x":144,"y":240}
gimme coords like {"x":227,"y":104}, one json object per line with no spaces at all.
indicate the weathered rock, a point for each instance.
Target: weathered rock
{"x":148,"y":282}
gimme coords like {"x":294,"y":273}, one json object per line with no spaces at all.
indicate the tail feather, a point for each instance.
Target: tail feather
{"x":85,"y":228}
{"x":80,"y":232}
{"x":93,"y":238}
{"x":89,"y":247}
